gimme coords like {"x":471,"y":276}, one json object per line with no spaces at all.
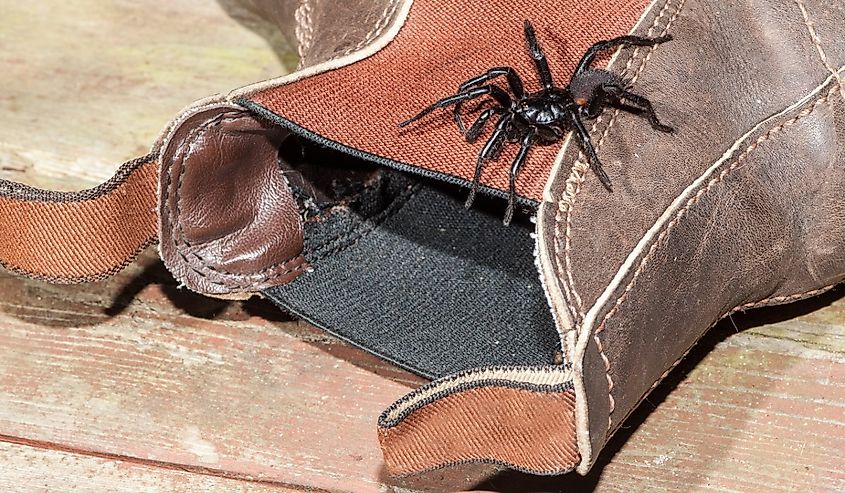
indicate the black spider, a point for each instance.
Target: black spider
{"x":546,"y":116}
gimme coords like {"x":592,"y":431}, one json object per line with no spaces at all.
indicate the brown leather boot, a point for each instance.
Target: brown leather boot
{"x":539,"y":338}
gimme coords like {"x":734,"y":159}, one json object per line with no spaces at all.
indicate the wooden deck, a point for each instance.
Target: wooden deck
{"x":135,"y":385}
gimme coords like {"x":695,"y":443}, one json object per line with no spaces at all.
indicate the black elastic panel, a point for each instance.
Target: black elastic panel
{"x":425,"y":283}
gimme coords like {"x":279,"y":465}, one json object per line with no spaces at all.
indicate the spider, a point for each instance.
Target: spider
{"x":546,"y":116}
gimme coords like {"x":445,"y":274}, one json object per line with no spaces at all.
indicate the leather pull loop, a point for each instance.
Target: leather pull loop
{"x":519,"y":417}
{"x":85,"y":236}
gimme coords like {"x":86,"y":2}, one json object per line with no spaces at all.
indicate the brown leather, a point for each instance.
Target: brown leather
{"x":90,"y":235}
{"x":71,"y":237}
{"x":741,"y":207}
{"x":229,"y":222}
{"x":360,"y":105}
{"x":330,"y":29}
{"x":319,"y":30}
{"x":483,"y":416}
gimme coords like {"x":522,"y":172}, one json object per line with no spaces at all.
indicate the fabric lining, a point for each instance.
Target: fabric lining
{"x":423,"y":282}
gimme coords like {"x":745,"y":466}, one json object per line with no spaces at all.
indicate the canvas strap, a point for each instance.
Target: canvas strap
{"x":74,"y":237}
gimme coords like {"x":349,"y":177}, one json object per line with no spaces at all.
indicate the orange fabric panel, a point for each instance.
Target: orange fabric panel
{"x":441,"y":45}
{"x":522,"y":429}
{"x":71,"y":237}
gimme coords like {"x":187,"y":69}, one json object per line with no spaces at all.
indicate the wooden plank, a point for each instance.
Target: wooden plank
{"x":245,"y":392}
{"x":253,"y":398}
{"x":135,"y":371}
{"x":34,"y":470}
{"x":88,"y":84}
{"x":758,"y":406}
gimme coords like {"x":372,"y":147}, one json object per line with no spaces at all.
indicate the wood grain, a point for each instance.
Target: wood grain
{"x":136,"y":385}
{"x":88,"y":84}
{"x":34,"y":470}
{"x":249,"y":398}
{"x":135,"y":368}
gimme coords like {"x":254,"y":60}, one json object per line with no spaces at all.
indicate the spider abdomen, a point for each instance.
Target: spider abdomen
{"x":545,"y":117}
{"x":583,"y":87}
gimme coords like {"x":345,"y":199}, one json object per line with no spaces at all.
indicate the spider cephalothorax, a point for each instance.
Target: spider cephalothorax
{"x":545,"y":116}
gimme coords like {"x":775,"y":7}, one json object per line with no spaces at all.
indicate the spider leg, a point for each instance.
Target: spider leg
{"x":491,"y":150}
{"x":495,"y":92}
{"x":518,"y":161}
{"x":589,"y":150}
{"x":539,"y":57}
{"x":476,"y":128}
{"x":591,"y":54}
{"x":639,"y":103}
{"x":514,"y":82}
{"x":597,"y":102}
{"x":600,"y":98}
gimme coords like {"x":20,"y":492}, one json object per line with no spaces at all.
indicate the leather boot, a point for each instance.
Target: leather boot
{"x":541,"y":337}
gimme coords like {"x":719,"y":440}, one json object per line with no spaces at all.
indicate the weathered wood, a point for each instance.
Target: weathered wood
{"x":759,"y":405}
{"x":135,"y":380}
{"x":254,"y":398}
{"x":88,"y":84}
{"x":33,"y":470}
{"x":236,"y":388}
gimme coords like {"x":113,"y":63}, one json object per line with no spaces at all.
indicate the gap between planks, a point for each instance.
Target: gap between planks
{"x":189,"y":468}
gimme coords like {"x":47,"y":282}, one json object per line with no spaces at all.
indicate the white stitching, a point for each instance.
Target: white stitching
{"x":573,"y":186}
{"x":380,"y":26}
{"x":378,"y":43}
{"x":811,"y":28}
{"x":682,"y":212}
{"x":566,"y":202}
{"x":304,"y":16}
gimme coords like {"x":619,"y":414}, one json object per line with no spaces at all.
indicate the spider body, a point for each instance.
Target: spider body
{"x":545,"y":116}
{"x":546,"y":111}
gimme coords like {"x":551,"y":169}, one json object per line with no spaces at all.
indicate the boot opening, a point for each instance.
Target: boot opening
{"x":403,"y":269}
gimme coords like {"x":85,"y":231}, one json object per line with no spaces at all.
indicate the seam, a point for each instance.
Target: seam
{"x":378,"y":43}
{"x":566,"y":202}
{"x":86,"y":278}
{"x":304,"y":17}
{"x":740,"y":159}
{"x":380,"y":26}
{"x":573,"y":187}
{"x":404,"y":406}
{"x":22,"y":192}
{"x":269,"y":273}
{"x":387,"y":422}
{"x":358,"y":232}
{"x":492,"y":462}
{"x":811,"y":28}
{"x":779,"y":300}
{"x":263,"y":112}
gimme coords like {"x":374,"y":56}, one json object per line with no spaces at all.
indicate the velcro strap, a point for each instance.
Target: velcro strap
{"x":73,"y":237}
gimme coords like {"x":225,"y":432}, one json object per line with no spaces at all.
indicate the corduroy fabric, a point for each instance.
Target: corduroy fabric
{"x":440,"y":45}
{"x":72,"y":237}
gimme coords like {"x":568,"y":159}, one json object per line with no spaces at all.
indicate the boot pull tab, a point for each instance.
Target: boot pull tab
{"x":522,"y":418}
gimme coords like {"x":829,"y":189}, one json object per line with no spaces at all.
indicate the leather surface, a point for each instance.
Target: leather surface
{"x":320,"y":30}
{"x":740,"y":207}
{"x":229,"y":222}
{"x":330,"y":28}
{"x":357,"y":106}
